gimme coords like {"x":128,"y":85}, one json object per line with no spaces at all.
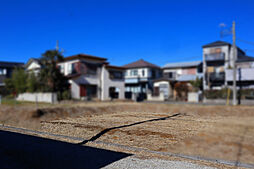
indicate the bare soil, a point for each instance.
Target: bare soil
{"x":221,"y":132}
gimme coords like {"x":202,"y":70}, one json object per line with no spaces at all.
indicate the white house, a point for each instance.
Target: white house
{"x":90,"y":77}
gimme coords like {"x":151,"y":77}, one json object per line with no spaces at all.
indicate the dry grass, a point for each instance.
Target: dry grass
{"x":210,"y":131}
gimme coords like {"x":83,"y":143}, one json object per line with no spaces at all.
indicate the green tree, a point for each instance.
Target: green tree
{"x":18,"y":82}
{"x":51,"y":79}
{"x":196,"y":84}
{"x":32,"y":83}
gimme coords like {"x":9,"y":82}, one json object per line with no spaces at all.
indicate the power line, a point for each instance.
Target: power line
{"x":245,"y":41}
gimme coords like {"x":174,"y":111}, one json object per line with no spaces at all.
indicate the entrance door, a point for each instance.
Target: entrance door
{"x":82,"y":90}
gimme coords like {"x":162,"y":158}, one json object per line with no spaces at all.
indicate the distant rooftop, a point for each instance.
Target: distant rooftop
{"x":245,"y":59}
{"x":140,"y":63}
{"x":84,"y":56}
{"x":182,"y":64}
{"x":11,"y":64}
{"x":217,"y":43}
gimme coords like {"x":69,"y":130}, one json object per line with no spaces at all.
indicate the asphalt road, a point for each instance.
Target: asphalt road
{"x":25,"y":151}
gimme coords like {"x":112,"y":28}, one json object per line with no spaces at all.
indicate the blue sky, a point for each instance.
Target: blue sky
{"x":159,"y":31}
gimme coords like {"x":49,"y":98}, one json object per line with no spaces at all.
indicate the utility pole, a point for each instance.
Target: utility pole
{"x":234,"y":65}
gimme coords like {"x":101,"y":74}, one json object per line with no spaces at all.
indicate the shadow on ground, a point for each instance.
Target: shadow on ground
{"x":24,"y":151}
{"x":127,"y":125}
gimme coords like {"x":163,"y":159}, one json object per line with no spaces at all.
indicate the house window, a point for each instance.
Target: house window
{"x":69,"y":68}
{"x":143,"y":72}
{"x":115,"y":75}
{"x":73,"y":68}
{"x":91,"y":69}
{"x":134,"y":72}
{"x":153,"y":74}
{"x":3,"y":71}
{"x":170,"y":74}
{"x":61,"y":68}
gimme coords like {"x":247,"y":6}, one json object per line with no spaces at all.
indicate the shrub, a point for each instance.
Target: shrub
{"x":217,"y":94}
{"x":222,"y":94}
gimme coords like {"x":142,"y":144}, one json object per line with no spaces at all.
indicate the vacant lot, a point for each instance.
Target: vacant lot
{"x":210,"y":131}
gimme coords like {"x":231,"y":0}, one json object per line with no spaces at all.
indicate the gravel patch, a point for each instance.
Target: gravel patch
{"x":133,"y":163}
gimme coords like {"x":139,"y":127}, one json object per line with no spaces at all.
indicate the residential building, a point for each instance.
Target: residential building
{"x":183,"y":72}
{"x":92,"y":77}
{"x":6,"y":69}
{"x":33,"y":65}
{"x":139,"y":76}
{"x":218,"y":64}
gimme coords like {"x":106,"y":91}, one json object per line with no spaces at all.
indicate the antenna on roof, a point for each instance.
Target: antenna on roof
{"x":224,"y":31}
{"x":57,"y":45}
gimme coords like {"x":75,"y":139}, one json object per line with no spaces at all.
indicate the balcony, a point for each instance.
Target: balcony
{"x":170,"y":75}
{"x":215,"y":57}
{"x":215,"y":77}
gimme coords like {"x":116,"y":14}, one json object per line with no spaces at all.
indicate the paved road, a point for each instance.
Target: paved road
{"x":24,"y":151}
{"x":135,"y":163}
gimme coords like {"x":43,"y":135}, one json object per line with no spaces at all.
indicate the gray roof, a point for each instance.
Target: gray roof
{"x":11,"y":64}
{"x":217,"y":43}
{"x":182,"y":64}
{"x":245,"y":59}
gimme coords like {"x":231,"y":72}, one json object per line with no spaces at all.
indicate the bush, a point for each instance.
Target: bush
{"x":217,"y":94}
{"x":65,"y":95}
{"x":222,"y":94}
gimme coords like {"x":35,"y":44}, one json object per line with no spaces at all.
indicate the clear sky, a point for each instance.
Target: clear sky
{"x":159,"y":31}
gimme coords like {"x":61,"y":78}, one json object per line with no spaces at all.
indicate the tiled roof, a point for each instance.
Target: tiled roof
{"x":141,"y":63}
{"x":182,"y":64}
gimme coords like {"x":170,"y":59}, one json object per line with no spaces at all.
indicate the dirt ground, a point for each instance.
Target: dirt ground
{"x":219,"y":132}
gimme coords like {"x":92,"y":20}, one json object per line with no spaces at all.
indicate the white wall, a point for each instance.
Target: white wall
{"x":107,"y":83}
{"x":75,"y":90}
{"x":39,"y":97}
{"x":247,"y":74}
{"x":169,"y":92}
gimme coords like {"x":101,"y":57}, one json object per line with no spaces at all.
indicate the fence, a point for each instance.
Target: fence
{"x":38,"y":97}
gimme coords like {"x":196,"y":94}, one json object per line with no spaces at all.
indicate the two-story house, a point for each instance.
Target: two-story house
{"x":177,"y":72}
{"x":139,"y":76}
{"x":33,"y":65}
{"x":6,"y":69}
{"x":92,"y":77}
{"x":218,"y":63}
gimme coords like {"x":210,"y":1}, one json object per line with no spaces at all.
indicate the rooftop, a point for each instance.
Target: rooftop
{"x":217,"y":43}
{"x":182,"y":64}
{"x":140,"y":64}
{"x":84,"y":56}
{"x":245,"y":59}
{"x":11,"y":64}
